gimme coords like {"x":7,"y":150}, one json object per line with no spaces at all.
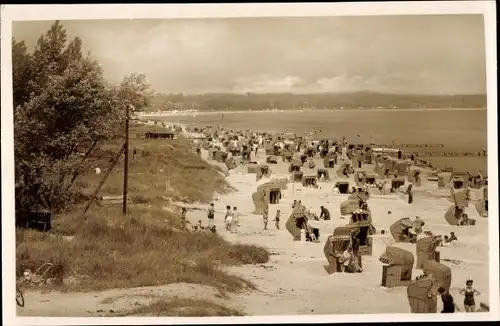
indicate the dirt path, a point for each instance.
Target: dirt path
{"x":105,"y":303}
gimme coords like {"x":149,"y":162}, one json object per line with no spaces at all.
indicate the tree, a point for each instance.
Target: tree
{"x":70,"y":107}
{"x":21,"y":72}
{"x":135,"y":91}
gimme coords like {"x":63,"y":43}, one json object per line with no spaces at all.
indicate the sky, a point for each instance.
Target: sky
{"x":431,"y":54}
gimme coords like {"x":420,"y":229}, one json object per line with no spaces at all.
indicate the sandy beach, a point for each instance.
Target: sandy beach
{"x":294,"y":281}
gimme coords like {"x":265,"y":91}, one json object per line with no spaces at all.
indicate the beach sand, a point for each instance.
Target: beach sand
{"x":294,"y":281}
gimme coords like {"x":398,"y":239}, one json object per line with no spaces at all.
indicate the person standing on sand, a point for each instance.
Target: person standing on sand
{"x":211,"y":215}
{"x":229,"y":221}
{"x":409,"y":192}
{"x":277,"y":219}
{"x":468,"y":293}
{"x":417,"y":225}
{"x":183,"y":218}
{"x":265,"y":215}
{"x":235,"y":220}
{"x":449,"y":305}
{"x":335,"y":157}
{"x":381,"y":187}
{"x":228,"y":213}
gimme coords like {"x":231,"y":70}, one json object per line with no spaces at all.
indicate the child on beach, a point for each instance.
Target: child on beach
{"x":228,"y":212}
{"x":198,"y":227}
{"x":228,"y":218}
{"x":417,"y":225}
{"x":235,"y":220}
{"x":265,"y":216}
{"x":277,"y":220}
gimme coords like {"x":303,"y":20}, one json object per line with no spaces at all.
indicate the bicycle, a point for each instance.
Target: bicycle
{"x":19,"y":297}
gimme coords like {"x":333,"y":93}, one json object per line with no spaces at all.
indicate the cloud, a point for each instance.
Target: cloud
{"x":294,"y":84}
{"x":267,"y":84}
{"x":414,"y":54}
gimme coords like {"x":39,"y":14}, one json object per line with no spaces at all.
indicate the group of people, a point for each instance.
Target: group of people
{"x":449,"y":305}
{"x":232,"y":218}
{"x":348,"y":258}
{"x":449,"y":239}
{"x":411,"y":230}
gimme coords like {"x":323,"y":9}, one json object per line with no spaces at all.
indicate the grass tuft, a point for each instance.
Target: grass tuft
{"x":182,"y":308}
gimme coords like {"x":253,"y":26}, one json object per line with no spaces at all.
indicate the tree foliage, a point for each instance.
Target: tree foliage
{"x":63,"y":108}
{"x":135,"y":91}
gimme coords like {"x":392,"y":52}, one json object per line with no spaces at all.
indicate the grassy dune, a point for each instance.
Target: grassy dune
{"x":107,"y":250}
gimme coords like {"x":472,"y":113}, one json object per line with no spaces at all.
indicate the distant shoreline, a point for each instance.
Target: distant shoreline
{"x":197,"y":113}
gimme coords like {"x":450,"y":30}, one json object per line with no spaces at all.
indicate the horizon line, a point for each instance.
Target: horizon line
{"x":316,"y":93}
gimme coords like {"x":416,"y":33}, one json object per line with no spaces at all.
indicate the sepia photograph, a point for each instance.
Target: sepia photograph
{"x":222,"y":161}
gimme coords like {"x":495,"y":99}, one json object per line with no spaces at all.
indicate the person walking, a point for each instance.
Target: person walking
{"x":469,"y":292}
{"x":211,"y":215}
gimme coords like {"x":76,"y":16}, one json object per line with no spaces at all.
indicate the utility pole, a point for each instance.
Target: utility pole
{"x":125,"y":171}
{"x":103,"y":180}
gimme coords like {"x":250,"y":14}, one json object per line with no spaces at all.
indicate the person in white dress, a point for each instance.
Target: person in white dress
{"x":235,"y":220}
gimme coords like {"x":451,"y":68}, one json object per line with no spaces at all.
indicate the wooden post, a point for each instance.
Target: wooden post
{"x":125,"y":170}
{"x":104,"y":179}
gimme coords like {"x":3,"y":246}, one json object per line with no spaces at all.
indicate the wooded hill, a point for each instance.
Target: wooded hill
{"x":288,"y":101}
